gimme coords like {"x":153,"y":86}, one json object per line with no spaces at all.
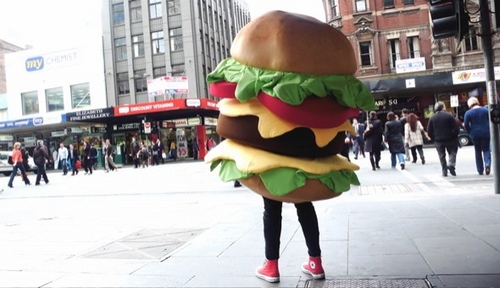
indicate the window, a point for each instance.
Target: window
{"x":335,"y":8}
{"x":176,"y":43}
{"x":413,"y":47}
{"x":136,"y":14}
{"x":138,"y":45}
{"x":122,"y":83}
{"x":388,"y":3}
{"x":155,"y":9}
{"x":365,"y":51}
{"x":30,"y":102}
{"x":140,"y":81}
{"x":158,"y":42}
{"x":55,"y":99}
{"x":471,"y":43}
{"x":393,"y":52}
{"x":80,"y":95}
{"x":360,"y":5}
{"x":408,"y":2}
{"x":159,"y":72}
{"x":118,"y":14}
{"x":174,"y":7}
{"x":121,"y":48}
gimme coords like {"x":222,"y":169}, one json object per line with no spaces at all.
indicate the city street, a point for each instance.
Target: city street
{"x":178,"y":225}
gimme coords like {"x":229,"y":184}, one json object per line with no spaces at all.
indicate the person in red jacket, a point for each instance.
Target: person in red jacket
{"x":17,"y":163}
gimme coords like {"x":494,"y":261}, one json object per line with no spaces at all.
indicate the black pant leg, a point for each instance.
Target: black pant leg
{"x":272,"y":228}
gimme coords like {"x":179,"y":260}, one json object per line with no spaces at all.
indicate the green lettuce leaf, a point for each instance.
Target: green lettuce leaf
{"x":292,"y":88}
{"x":281,"y":181}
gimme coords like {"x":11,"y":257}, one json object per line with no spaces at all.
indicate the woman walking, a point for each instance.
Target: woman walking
{"x":17,"y":164}
{"x":414,"y":132}
{"x":373,"y":139}
{"x":393,"y":137}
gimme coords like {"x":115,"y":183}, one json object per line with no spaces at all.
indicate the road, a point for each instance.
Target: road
{"x":176,"y":225}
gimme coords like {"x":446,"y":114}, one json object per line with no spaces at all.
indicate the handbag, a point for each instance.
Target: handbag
{"x":78,"y":164}
{"x":383,"y":146}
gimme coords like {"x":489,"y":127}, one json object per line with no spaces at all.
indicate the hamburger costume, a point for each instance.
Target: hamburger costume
{"x":287,"y":94}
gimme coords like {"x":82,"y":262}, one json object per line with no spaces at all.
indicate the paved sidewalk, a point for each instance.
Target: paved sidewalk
{"x":178,"y":226}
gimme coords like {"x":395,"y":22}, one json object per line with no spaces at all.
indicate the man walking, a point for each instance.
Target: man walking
{"x":63,"y":158}
{"x":41,"y":157}
{"x":134,"y":152}
{"x":109,"y":157}
{"x":443,"y":129}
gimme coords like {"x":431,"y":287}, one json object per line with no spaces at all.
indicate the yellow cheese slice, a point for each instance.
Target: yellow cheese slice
{"x":271,"y":126}
{"x":253,"y":160}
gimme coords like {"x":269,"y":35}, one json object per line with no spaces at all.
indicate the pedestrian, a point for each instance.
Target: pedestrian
{"x":25,"y":156}
{"x":272,"y":230}
{"x":210,"y":143}
{"x":93,"y":156}
{"x":414,"y":133}
{"x":477,"y":124}
{"x":403,"y":120}
{"x":87,"y":158}
{"x":109,"y":157}
{"x":134,"y":152}
{"x":155,"y":152}
{"x":17,"y":164}
{"x":173,"y":150}
{"x":358,"y":143}
{"x":196,"y":148}
{"x":54,"y":158}
{"x":62,"y":156}
{"x":73,"y":158}
{"x":161,"y":149}
{"x":443,"y":130}
{"x":346,"y":148}
{"x":394,"y":139}
{"x":41,"y":157}
{"x":373,"y":139}
{"x":144,"y":155}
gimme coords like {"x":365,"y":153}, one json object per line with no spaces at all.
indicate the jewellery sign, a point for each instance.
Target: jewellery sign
{"x":90,"y":114}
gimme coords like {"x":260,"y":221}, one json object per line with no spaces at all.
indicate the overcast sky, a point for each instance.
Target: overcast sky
{"x":52,"y":23}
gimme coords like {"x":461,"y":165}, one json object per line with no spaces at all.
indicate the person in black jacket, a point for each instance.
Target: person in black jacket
{"x":41,"y":156}
{"x":373,"y":139}
{"x":87,"y":158}
{"x":443,"y":129}
{"x":394,"y":138}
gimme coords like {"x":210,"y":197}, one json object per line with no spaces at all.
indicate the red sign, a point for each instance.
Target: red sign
{"x":147,"y":127}
{"x":161,"y":106}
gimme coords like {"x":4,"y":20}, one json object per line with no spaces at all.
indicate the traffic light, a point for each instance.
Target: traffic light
{"x":449,"y":19}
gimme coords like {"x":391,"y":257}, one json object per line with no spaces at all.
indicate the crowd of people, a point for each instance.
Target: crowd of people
{"x":404,"y":137}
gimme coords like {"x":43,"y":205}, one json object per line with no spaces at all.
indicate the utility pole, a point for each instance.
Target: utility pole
{"x":491,"y":90}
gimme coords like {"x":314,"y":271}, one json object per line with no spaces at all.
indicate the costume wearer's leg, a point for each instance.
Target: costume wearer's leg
{"x":309,"y":223}
{"x":441,"y":150}
{"x":414,"y":153}
{"x":478,"y":155}
{"x":272,"y":228}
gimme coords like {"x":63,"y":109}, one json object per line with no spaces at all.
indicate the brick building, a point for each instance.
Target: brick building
{"x":400,"y":61}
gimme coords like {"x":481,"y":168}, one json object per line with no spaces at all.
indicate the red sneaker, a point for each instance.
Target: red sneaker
{"x":269,"y":271}
{"x":314,"y":268}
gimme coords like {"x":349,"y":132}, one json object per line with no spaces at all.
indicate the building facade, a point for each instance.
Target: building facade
{"x":400,"y":61}
{"x":148,"y":41}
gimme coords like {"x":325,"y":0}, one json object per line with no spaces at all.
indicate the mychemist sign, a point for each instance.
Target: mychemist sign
{"x":52,"y":60}
{"x":36,"y":121}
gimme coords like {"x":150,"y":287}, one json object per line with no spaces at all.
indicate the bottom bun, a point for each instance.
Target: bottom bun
{"x":313,"y":190}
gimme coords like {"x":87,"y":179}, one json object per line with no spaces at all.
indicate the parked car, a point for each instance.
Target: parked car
{"x":463,"y":138}
{"x":6,"y":168}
